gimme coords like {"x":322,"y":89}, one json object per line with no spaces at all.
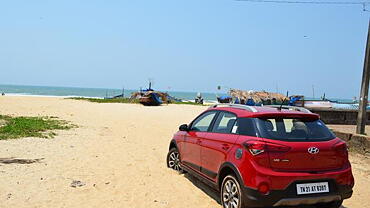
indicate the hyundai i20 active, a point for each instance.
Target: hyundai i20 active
{"x":264,"y":156}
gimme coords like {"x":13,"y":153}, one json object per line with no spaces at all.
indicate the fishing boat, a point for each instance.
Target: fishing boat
{"x":171,"y":99}
{"x":151,"y":99}
{"x":224,"y":99}
{"x":299,"y":100}
{"x":122,"y":95}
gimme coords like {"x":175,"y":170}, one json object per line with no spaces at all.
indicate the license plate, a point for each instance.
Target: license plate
{"x":312,"y":188}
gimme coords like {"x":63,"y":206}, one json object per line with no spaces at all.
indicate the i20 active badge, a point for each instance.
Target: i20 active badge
{"x":313,"y":150}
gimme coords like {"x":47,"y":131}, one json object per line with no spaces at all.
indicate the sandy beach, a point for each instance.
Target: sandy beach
{"x":118,"y":152}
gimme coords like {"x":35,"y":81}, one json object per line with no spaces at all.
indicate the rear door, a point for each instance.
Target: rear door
{"x":312,"y":147}
{"x":301,"y":159}
{"x":217,"y":143}
{"x":193,"y":139}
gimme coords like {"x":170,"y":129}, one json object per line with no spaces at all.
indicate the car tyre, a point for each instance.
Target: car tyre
{"x":173,"y":160}
{"x":231,"y":193}
{"x":334,"y":204}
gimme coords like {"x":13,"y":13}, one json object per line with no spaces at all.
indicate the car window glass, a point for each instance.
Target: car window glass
{"x":244,"y":126}
{"x":288,"y":123}
{"x":294,"y":129}
{"x":202,"y":123}
{"x":271,"y":124}
{"x":234,"y":130}
{"x":224,"y":123}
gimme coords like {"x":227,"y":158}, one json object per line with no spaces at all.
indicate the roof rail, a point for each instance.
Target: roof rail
{"x":292,"y":108}
{"x":244,"y":107}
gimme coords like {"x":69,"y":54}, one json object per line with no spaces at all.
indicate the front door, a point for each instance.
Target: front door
{"x":217,"y":143}
{"x":193,"y":139}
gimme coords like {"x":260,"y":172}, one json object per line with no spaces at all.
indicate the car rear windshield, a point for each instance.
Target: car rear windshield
{"x":293,"y":129}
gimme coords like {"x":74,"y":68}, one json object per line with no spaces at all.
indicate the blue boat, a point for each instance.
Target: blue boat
{"x":151,"y":99}
{"x":224,"y":99}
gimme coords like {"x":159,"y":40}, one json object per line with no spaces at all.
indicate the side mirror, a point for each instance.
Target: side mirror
{"x":184,"y":127}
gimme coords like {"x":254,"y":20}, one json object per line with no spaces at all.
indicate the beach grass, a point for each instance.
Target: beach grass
{"x":19,"y":127}
{"x":123,"y":100}
{"x":186,"y":103}
{"x":113,"y":100}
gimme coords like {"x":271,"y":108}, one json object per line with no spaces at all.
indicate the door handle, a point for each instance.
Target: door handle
{"x":199,"y":141}
{"x":225,"y":146}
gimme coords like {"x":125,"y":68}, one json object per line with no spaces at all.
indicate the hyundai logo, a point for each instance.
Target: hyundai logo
{"x":313,"y":150}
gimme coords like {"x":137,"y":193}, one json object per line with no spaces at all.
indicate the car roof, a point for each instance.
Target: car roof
{"x":265,"y":111}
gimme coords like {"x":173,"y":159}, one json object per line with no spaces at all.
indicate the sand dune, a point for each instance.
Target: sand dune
{"x":116,"y":158}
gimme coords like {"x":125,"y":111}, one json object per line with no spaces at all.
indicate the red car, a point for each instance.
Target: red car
{"x":264,"y":156}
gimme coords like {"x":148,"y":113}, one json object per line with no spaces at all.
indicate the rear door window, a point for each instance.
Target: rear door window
{"x":224,"y":123}
{"x":203,"y":122}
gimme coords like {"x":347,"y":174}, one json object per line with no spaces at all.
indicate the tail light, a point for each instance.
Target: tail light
{"x":255,"y":147}
{"x":258,"y":147}
{"x":341,"y":148}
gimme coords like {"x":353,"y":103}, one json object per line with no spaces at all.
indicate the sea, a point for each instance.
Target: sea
{"x":26,"y":90}
{"x":92,"y":92}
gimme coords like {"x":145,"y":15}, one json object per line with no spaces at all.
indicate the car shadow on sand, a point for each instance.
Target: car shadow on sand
{"x":204,"y":187}
{"x":12,"y":160}
{"x":215,"y":195}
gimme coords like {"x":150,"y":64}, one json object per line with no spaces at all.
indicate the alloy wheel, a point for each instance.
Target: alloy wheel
{"x":174,"y":160}
{"x":230,"y":194}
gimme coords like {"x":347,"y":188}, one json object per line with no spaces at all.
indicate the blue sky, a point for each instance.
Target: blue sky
{"x":183,"y":45}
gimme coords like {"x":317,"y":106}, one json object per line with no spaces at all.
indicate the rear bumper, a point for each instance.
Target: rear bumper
{"x":283,"y":189}
{"x":289,"y":197}
{"x":307,"y":200}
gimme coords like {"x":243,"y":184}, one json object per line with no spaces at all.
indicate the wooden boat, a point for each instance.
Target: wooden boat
{"x":224,"y":99}
{"x":299,"y":100}
{"x":150,"y":99}
{"x":171,"y":99}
